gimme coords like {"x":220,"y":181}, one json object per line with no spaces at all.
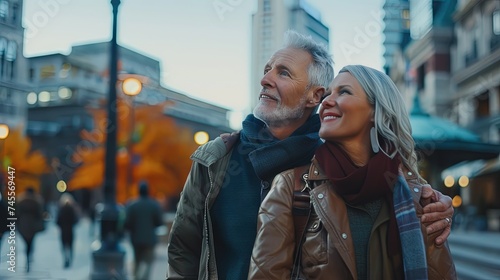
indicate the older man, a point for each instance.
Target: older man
{"x":215,"y":226}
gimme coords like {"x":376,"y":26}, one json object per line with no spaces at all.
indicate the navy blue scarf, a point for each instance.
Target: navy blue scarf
{"x":270,"y":156}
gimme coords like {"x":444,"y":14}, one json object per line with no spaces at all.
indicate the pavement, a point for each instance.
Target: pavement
{"x":47,"y":259}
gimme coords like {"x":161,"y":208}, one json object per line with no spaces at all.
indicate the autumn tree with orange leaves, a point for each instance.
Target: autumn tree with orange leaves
{"x":26,"y":166}
{"x":156,"y":151}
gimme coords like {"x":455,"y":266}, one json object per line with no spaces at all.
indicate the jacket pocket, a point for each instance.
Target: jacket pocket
{"x":315,"y":246}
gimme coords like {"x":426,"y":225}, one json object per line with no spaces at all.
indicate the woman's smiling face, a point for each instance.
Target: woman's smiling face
{"x":346,"y":115}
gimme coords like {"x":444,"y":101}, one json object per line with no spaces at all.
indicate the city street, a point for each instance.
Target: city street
{"x":47,"y":260}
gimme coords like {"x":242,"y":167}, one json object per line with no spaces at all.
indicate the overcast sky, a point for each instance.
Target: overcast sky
{"x":203,"y":45}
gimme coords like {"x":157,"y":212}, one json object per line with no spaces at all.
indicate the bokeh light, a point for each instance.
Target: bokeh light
{"x":463,"y":181}
{"x":456,"y":201}
{"x":131,"y":86}
{"x":449,"y":181}
{"x":44,"y":96}
{"x":4,"y":131}
{"x":61,"y":186}
{"x":31,"y":98}
{"x":64,"y":93}
{"x":201,"y":137}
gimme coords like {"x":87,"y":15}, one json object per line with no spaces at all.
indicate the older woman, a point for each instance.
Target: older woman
{"x":365,"y":194}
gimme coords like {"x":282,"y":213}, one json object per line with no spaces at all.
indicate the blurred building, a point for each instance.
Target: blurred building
{"x":451,"y":71}
{"x":13,"y":65}
{"x":476,"y":97}
{"x":269,"y":24}
{"x":429,"y":53}
{"x":80,"y":79}
{"x":396,"y":30}
{"x":66,"y":86}
{"x":476,"y":68}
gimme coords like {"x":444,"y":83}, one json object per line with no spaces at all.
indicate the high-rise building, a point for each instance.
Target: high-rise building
{"x":428,"y":54}
{"x":13,"y":65}
{"x":396,"y":29}
{"x":270,"y":22}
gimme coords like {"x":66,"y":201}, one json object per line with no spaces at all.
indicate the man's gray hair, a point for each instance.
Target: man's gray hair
{"x":321,"y":70}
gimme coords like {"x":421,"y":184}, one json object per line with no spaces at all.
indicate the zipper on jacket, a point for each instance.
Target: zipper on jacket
{"x":207,"y":264}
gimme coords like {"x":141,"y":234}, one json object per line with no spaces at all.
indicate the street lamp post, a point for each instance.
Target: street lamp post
{"x":131,"y":87}
{"x":108,"y":260}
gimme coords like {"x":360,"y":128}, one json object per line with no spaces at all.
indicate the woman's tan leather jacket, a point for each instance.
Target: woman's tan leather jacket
{"x":328,"y":249}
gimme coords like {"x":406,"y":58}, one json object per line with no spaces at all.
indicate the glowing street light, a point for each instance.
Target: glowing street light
{"x":201,"y":137}
{"x":4,"y":131}
{"x":131,"y":86}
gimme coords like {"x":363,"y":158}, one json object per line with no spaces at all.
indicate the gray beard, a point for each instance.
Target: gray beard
{"x":280,"y":117}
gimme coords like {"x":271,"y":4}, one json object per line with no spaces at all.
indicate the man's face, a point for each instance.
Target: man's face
{"x":284,"y":87}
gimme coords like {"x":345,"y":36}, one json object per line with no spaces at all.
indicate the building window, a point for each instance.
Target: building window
{"x":8,"y":101}
{"x":496,"y":22}
{"x":31,"y":74}
{"x":4,"y":9}
{"x":421,"y":77}
{"x":406,"y":24}
{"x":498,"y":96}
{"x":495,"y":28}
{"x":65,"y":70}
{"x":471,"y":57}
{"x":482,"y":105}
{"x":266,"y":43}
{"x":15,"y":10}
{"x":405,"y":14}
{"x":3,"y":50}
{"x":266,"y":20}
{"x":10,"y":57}
{"x":47,"y":72}
{"x":74,"y":71}
{"x":266,"y":33}
{"x":267,"y":6}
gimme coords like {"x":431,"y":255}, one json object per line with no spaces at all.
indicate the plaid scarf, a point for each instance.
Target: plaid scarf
{"x":412,"y":241}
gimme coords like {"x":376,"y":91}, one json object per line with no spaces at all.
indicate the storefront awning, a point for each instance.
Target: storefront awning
{"x":464,"y":168}
{"x":472,"y":169}
{"x":490,"y":167}
{"x":446,"y":141}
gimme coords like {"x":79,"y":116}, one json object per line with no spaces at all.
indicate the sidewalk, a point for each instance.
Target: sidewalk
{"x":47,"y":260}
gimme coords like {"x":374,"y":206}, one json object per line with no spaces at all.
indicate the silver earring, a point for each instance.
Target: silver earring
{"x":374,"y":140}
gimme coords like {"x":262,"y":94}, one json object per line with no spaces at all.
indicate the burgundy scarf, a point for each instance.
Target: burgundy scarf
{"x":358,"y":185}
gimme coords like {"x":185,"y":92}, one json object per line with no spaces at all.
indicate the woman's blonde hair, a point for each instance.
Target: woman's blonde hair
{"x":391,"y":118}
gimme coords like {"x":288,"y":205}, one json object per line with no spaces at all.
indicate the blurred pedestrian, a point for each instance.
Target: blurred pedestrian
{"x":143,"y":216}
{"x":31,"y":221}
{"x":67,"y":217}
